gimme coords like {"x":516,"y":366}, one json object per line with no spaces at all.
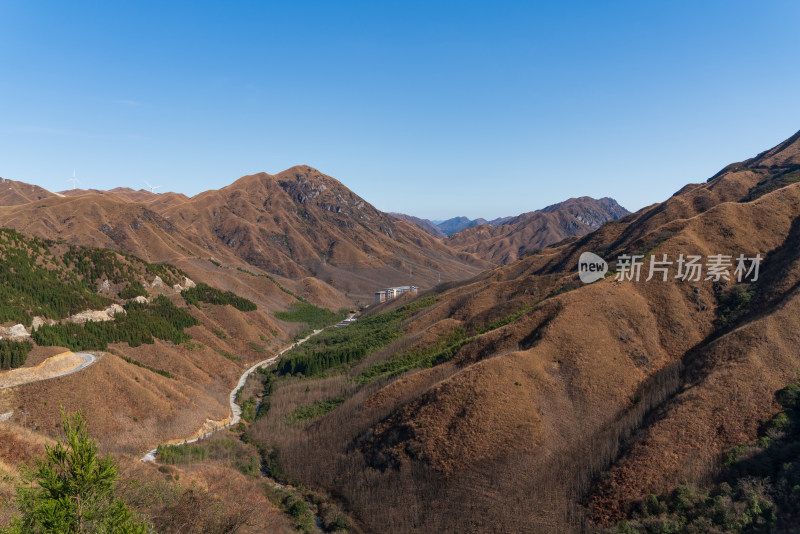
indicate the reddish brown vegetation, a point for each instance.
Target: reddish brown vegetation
{"x":549,"y":420}
{"x":598,"y":396}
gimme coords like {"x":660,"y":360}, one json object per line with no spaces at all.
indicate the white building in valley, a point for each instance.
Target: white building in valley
{"x":390,"y":293}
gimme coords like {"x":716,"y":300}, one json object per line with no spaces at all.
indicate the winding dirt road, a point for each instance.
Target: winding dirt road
{"x":53,"y":367}
{"x":236,"y":410}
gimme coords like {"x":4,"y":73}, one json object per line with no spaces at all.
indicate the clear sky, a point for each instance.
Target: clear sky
{"x":435,"y":109}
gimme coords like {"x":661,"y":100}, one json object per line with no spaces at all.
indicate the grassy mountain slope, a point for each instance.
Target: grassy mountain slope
{"x":526,"y":401}
{"x":188,"y":344}
{"x":426,"y":225}
{"x":13,"y":193}
{"x":165,"y":373}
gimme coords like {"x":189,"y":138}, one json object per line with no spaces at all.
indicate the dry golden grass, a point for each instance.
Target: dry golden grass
{"x":628,"y":382}
{"x":207,"y":496}
{"x":510,"y":434}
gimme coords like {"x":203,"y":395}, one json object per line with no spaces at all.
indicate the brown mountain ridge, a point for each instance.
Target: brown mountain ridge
{"x":568,"y":403}
{"x":13,"y":193}
{"x":560,"y":406}
{"x":298,"y":224}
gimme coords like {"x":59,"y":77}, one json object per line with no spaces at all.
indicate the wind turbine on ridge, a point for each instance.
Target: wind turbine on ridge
{"x":74,"y":180}
{"x":152,"y":187}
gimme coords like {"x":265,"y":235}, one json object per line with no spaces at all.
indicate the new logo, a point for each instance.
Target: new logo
{"x":591,"y":267}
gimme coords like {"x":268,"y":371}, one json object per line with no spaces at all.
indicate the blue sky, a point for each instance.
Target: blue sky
{"x":435,"y":109}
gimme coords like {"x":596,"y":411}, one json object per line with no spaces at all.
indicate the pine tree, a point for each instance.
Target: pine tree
{"x":71,"y":490}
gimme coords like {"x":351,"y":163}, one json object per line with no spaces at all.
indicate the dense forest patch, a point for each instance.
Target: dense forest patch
{"x":205,"y":293}
{"x":140,"y":324}
{"x":51,"y":279}
{"x":757,"y":491}
{"x":337,"y":347}
{"x":314,"y":316}
{"x":13,"y":353}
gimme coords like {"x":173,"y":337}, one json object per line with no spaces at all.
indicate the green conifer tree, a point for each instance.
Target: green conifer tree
{"x":71,"y":490}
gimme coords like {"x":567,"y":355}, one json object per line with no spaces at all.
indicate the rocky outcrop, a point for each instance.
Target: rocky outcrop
{"x":97,"y":315}
{"x":188,"y":283}
{"x":114,"y":309}
{"x":14,"y":332}
{"x":40,"y":321}
{"x":89,"y":316}
{"x":592,"y":213}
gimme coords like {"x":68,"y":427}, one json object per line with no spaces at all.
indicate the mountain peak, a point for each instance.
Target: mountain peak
{"x":301,"y":170}
{"x":456,"y":224}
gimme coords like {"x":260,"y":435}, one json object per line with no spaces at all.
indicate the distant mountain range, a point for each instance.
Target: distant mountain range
{"x":450,"y":226}
{"x":505,"y":239}
{"x":429,"y":226}
{"x":456,"y":224}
